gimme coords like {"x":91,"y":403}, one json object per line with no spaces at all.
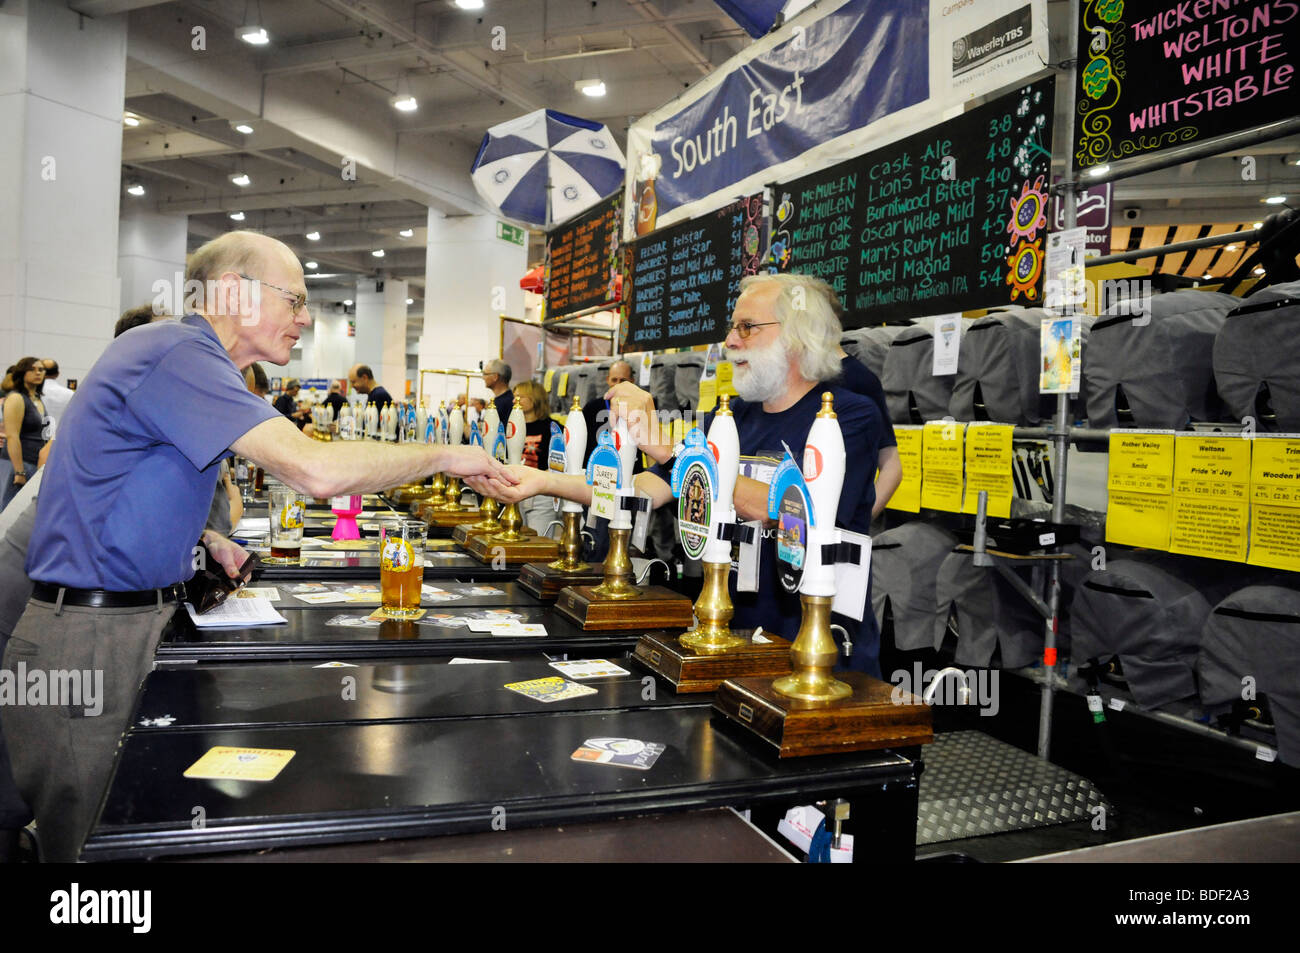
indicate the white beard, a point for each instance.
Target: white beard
{"x":763,"y":378}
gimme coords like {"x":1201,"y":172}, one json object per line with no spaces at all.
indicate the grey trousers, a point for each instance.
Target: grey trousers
{"x":62,"y":755}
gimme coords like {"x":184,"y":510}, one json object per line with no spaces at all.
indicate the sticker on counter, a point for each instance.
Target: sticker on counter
{"x":354,"y":621}
{"x":620,"y":752}
{"x":485,"y":591}
{"x":446,"y":620}
{"x":478,"y":661}
{"x":551,"y":689}
{"x":308,"y":587}
{"x":225,"y":763}
{"x":589,"y":668}
{"x":334,"y":665}
{"x":269,"y":593}
{"x":321,"y":598}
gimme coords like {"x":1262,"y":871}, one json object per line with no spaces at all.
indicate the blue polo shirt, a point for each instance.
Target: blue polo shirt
{"x":130,"y":477}
{"x":761,"y":435}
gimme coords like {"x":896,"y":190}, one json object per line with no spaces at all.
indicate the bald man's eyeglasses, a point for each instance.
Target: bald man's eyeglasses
{"x":299,"y":301}
{"x":744,"y":329}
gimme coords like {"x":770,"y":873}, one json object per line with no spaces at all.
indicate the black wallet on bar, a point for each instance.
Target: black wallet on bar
{"x":209,"y":587}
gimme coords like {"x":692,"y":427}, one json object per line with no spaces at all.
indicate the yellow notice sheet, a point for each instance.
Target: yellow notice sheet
{"x":1139,"y":519}
{"x":988,"y":467}
{"x":1141,"y":460}
{"x":1275,"y":470}
{"x":546,"y":382}
{"x":726,"y":371}
{"x":907,"y":498}
{"x":1140,"y":484}
{"x":708,"y":395}
{"x":564,"y":384}
{"x":942,"y":449}
{"x":240,"y":764}
{"x":1275,"y":499}
{"x":1211,"y":512}
{"x":1274,"y":531}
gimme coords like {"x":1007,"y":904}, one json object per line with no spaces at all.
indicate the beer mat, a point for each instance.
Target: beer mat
{"x":224,"y":763}
{"x":484,"y":591}
{"x":442,"y":596}
{"x":620,"y":752}
{"x":527,"y":629}
{"x":237,"y":613}
{"x":269,"y":593}
{"x":549,"y":690}
{"x":446,"y":620}
{"x":589,"y":668}
{"x":407,"y":616}
{"x":321,"y":598}
{"x":308,"y":587}
{"x":334,"y":665}
{"x":345,"y":545}
{"x":353,"y":621}
{"x":478,"y":661}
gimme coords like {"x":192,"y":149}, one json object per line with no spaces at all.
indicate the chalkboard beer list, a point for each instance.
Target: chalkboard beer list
{"x":1160,"y":73}
{"x":683,"y":280}
{"x":950,"y":219}
{"x":579,"y":257}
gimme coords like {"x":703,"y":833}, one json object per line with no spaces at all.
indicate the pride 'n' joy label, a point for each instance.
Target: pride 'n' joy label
{"x":693,"y":509}
{"x":291,"y":516}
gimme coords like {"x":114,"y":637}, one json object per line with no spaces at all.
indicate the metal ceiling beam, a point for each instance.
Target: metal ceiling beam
{"x":281,"y":199}
{"x":108,"y":8}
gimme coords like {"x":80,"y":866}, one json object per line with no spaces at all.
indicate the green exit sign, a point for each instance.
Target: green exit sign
{"x":510,"y":233}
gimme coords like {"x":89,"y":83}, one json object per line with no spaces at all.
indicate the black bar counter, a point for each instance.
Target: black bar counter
{"x":211,"y":697}
{"x":365,"y":781}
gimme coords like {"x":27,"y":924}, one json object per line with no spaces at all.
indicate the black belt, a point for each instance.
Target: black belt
{"x":102,"y":599}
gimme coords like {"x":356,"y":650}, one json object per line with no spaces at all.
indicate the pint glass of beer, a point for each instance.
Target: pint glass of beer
{"x":287,"y":511}
{"x":401,"y":565}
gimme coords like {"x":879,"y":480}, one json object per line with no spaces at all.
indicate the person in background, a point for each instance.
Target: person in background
{"x":362,"y":379}
{"x":334,"y":399}
{"x":287,"y":403}
{"x":27,"y":425}
{"x":256,"y":381}
{"x":538,"y":511}
{"x":596,"y":410}
{"x":135,"y":317}
{"x":55,"y":395}
{"x":496,"y":378}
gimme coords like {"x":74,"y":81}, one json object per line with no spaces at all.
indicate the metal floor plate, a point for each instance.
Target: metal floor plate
{"x":975,"y":785}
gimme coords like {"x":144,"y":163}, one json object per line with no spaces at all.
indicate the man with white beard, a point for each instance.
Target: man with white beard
{"x":783,"y":344}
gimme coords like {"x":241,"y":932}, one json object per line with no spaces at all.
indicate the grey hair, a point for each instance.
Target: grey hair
{"x":499,"y":367}
{"x":809,"y":312}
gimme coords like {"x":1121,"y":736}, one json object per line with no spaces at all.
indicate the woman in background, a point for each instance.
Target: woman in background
{"x":26,"y":423}
{"x":539,"y":511}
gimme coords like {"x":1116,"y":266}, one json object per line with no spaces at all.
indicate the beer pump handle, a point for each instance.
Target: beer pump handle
{"x":724,"y":442}
{"x":575,"y":448}
{"x":516,"y":434}
{"x":455,"y":427}
{"x":823,"y":470}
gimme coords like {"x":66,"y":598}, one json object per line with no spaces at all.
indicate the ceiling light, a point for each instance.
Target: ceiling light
{"x":1207,"y":276}
{"x":311,"y":265}
{"x":1259,"y":270}
{"x":244,"y":128}
{"x":378,"y":253}
{"x":1274,"y":200}
{"x":404,"y":102}
{"x":1098,"y":171}
{"x":237,"y":216}
{"x":590,"y":87}
{"x":347,"y":303}
{"x":410,"y":301}
{"x":131,"y":119}
{"x":313,"y":236}
{"x":407,"y":233}
{"x":470,"y":4}
{"x":1229,"y":247}
{"x":135,"y":188}
{"x":1257,"y":225}
{"x":241,"y":179}
{"x":253,"y":34}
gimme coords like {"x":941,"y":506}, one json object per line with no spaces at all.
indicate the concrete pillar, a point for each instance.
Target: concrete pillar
{"x":62,"y":86}
{"x":381,"y":331}
{"x":471,"y":279}
{"x":326,"y":349}
{"x":150,"y":248}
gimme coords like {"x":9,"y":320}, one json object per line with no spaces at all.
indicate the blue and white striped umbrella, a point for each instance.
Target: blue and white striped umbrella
{"x":577,"y":158}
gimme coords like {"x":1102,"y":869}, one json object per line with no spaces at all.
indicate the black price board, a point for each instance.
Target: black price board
{"x":582,"y":259}
{"x":1160,"y":73}
{"x":682,"y":281}
{"x":950,"y":219}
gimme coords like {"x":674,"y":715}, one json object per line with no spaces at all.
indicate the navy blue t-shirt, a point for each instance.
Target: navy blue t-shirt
{"x":860,"y":379}
{"x":379,"y":397}
{"x":129,"y":482}
{"x":761,"y":435}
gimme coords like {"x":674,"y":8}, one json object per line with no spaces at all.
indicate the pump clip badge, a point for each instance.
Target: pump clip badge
{"x":605,"y":474}
{"x":788,"y":503}
{"x":695,"y":481}
{"x":555,"y":459}
{"x":500,"y":451}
